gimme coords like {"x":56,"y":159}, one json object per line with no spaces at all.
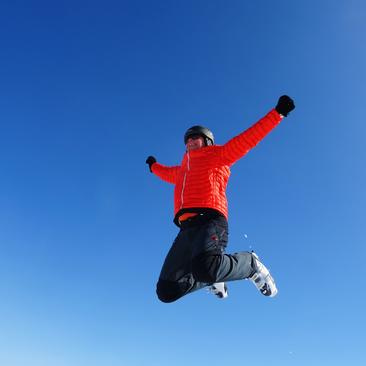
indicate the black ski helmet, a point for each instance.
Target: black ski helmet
{"x":202,"y":131}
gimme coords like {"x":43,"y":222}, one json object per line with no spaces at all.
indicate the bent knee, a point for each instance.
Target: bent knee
{"x":168,"y":291}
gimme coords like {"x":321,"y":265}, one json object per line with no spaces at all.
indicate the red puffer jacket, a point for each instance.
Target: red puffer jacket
{"x":201,"y":179}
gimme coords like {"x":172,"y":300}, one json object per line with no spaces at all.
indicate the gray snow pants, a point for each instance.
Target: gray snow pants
{"x":197,"y":258}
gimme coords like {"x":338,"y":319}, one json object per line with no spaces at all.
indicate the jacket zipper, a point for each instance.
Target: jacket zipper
{"x":184,"y":182}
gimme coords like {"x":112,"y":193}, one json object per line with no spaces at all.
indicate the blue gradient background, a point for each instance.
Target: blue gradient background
{"x":89,"y":89}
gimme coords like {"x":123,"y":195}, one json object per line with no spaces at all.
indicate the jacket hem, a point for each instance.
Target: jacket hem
{"x":199,"y":210}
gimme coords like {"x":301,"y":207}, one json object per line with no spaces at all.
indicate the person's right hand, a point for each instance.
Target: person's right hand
{"x":150,"y":161}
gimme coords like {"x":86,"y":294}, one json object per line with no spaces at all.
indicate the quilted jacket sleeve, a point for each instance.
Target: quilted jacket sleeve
{"x":238,"y":146}
{"x":167,"y":173}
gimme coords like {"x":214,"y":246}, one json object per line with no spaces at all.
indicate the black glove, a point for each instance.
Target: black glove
{"x":150,"y":160}
{"x":285,"y":105}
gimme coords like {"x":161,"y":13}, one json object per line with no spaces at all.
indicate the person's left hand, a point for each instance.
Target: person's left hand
{"x":285,"y":105}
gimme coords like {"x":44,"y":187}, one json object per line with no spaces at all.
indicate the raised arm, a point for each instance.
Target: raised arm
{"x":167,"y":173}
{"x":240,"y":145}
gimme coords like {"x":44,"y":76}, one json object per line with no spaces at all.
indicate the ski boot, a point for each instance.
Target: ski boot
{"x":219,"y":289}
{"x":261,"y":278}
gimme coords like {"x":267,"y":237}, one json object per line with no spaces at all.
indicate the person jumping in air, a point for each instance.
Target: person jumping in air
{"x":197,"y":257}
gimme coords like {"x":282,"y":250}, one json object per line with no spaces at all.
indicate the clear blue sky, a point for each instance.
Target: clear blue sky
{"x":89,"y":89}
